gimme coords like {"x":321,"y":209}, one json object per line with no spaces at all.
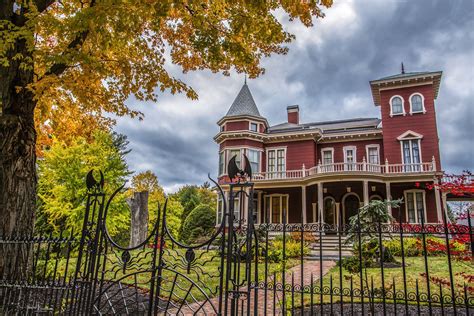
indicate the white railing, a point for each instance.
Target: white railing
{"x":356,"y":167}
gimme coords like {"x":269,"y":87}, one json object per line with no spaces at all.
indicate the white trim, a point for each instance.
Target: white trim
{"x":417,"y":221}
{"x":354,"y":150}
{"x":403,"y":106}
{"x":367,"y":157}
{"x":411,"y":150}
{"x":256,"y":123}
{"x":331,"y":149}
{"x":349,"y":166}
{"x":375,"y":196}
{"x":406,"y":135}
{"x":422,"y":103}
{"x":343,"y":202}
{"x":259,"y":158}
{"x":284,"y":148}
{"x":224,"y":171}
{"x":271,"y":205}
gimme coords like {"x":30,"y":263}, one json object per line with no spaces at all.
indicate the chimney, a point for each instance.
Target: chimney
{"x":293,"y":114}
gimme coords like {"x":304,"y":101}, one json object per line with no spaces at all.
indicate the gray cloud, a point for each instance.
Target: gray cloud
{"x":326,"y":72}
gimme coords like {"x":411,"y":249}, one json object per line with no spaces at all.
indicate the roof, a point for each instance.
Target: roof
{"x":405,"y":78}
{"x":243,"y":104}
{"x":328,"y":126}
{"x":407,"y":75}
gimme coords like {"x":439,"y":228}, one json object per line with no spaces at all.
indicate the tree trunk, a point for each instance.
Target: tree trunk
{"x":139,"y":218}
{"x":17,"y":155}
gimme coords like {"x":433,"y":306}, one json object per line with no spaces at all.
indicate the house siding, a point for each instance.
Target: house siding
{"x":424,"y":124}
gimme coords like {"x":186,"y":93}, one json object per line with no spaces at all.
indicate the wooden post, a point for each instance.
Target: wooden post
{"x":139,"y":217}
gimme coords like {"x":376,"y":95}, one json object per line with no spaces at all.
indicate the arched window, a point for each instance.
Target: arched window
{"x":396,"y":105}
{"x":416,"y":103}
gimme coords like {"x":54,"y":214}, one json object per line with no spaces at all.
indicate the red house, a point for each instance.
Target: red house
{"x":324,"y":171}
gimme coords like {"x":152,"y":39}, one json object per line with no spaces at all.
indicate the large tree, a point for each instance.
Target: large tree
{"x":74,"y":60}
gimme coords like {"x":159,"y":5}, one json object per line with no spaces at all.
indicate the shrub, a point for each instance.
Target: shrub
{"x":292,"y":249}
{"x":411,"y":246}
{"x":199,"y":223}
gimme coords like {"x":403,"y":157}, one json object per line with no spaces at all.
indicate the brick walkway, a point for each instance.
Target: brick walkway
{"x":310,"y":267}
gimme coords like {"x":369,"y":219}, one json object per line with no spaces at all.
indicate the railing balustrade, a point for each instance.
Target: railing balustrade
{"x":343,"y":167}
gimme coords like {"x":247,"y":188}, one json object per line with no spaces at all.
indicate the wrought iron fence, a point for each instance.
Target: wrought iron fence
{"x":368,"y":267}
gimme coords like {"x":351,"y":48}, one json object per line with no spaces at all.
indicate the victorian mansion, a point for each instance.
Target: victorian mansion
{"x":324,"y":171}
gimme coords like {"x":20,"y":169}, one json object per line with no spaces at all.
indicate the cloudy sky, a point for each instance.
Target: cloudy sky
{"x":326,"y":73}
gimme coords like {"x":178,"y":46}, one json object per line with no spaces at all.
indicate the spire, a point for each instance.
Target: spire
{"x":244,"y":104}
{"x":245,"y":80}
{"x":403,"y":69}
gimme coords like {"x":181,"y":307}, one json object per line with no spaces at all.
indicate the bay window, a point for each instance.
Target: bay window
{"x":236,"y":153}
{"x":221,"y":163}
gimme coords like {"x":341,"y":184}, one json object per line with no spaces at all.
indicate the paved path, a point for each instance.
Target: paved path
{"x":309,"y":267}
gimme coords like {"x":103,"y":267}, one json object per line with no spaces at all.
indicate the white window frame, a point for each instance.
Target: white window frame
{"x":224,"y":163}
{"x":259,"y":151}
{"x":391,"y":107}
{"x":331,"y":149}
{"x":423,"y":109}
{"x":276,"y":149}
{"x":350,"y":166}
{"x":220,"y":208}
{"x":414,"y":191}
{"x":281,"y":206}
{"x":367,"y":156}
{"x":256,"y":123}
{"x":229,"y":157}
{"x":410,"y":136}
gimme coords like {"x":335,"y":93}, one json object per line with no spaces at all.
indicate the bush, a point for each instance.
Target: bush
{"x":292,"y":249}
{"x":352,"y":264}
{"x":411,"y":246}
{"x":198,"y":224}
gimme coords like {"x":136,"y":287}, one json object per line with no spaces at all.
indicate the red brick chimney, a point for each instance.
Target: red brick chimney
{"x":293,"y":114}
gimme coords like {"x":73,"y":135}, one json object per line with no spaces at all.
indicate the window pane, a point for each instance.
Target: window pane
{"x":253,"y":127}
{"x":397,"y":105}
{"x":416,"y":103}
{"x":280,"y":160}
{"x":327,"y":157}
{"x":406,"y":152}
{"x":254,"y":158}
{"x":415,"y":151}
{"x":420,"y":206}
{"x":285,"y":206}
{"x":411,"y":207}
{"x":373,"y":155}
{"x":276,"y":209}
{"x":235,"y":152}
{"x":271,"y":161}
{"x":221,"y":163}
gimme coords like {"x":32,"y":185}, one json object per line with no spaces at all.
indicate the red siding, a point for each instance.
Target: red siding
{"x":297,"y":153}
{"x":424,"y":124}
{"x":360,"y":152}
{"x":237,"y":126}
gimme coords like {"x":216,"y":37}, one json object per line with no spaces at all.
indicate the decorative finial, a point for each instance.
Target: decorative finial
{"x":403,"y":69}
{"x":245,"y":80}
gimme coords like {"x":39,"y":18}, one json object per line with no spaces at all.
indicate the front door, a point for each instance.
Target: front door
{"x":351,"y":205}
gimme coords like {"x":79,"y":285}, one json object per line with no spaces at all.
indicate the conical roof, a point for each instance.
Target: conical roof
{"x":243,"y":104}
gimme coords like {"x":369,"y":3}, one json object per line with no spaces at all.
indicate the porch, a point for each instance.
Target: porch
{"x":334,"y":202}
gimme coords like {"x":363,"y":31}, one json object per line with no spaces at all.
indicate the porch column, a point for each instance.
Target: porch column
{"x":438,"y":201}
{"x":303,"y":203}
{"x":338,"y":216}
{"x":259,"y":206}
{"x":389,"y":197}
{"x":320,"y":202}
{"x":445,"y":206}
{"x":366,"y":192}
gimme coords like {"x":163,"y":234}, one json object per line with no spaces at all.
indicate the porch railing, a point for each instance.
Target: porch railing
{"x":355,"y":167}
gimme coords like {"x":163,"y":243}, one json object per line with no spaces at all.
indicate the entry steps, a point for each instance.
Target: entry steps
{"x":330,"y":247}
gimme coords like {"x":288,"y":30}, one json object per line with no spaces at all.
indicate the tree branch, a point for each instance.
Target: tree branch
{"x":58,"y":68}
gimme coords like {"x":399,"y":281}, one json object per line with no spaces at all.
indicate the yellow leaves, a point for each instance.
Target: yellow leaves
{"x":125,"y":47}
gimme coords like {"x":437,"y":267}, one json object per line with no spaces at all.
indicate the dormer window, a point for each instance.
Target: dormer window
{"x":417,"y":103}
{"x":253,"y":127}
{"x":396,"y":106}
